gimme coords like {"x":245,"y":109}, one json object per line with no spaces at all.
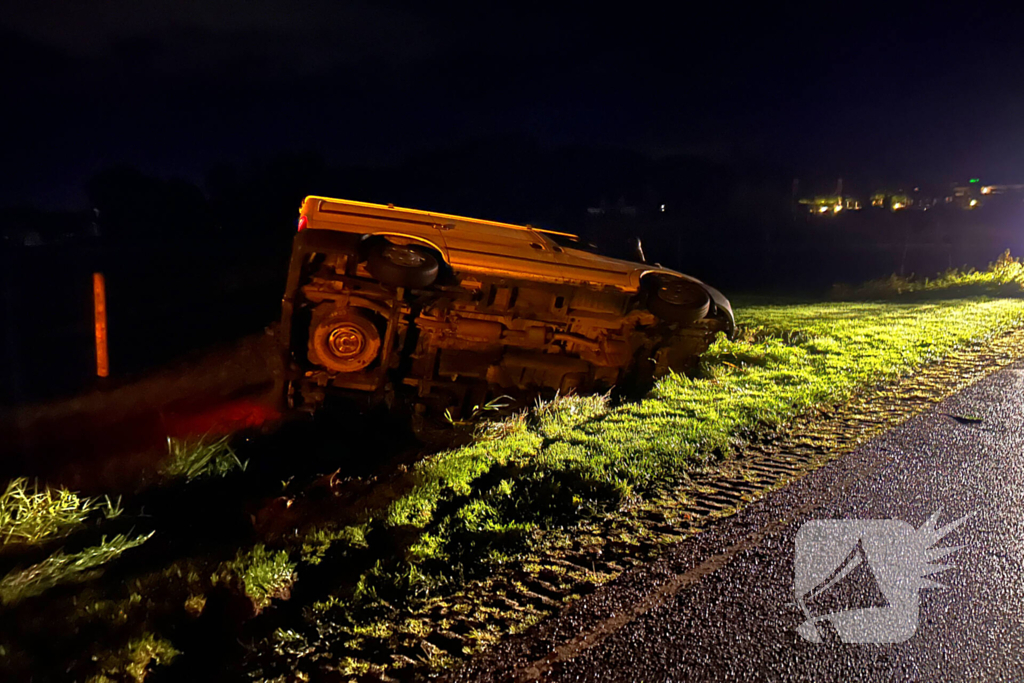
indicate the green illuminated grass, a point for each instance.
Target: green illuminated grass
{"x":135,"y":660}
{"x":190,"y":459}
{"x":62,"y":568}
{"x":30,"y":514}
{"x":578,"y":456}
{"x":835,"y":349}
{"x":262,"y":574}
{"x":1003,"y":277}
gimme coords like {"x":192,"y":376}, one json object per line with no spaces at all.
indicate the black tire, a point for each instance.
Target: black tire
{"x":675,"y":300}
{"x":343,"y":341}
{"x":402,"y":265}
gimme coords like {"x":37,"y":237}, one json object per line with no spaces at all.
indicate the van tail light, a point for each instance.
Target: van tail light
{"x":303,"y":222}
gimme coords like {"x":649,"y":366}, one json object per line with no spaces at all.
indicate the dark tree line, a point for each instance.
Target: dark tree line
{"x":511,"y":179}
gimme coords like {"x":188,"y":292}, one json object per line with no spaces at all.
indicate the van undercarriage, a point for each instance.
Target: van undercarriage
{"x":467,"y":337}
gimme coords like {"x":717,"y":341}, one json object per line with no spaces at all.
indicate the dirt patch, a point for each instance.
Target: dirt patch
{"x":107,"y":439}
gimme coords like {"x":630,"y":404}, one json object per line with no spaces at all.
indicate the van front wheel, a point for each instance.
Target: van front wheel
{"x":676,"y":300}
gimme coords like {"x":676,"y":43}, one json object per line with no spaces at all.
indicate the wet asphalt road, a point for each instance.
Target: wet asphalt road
{"x":721,"y":606}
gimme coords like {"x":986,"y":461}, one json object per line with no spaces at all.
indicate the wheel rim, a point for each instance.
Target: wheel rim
{"x":404,"y":256}
{"x":679,"y":293}
{"x":346,"y":341}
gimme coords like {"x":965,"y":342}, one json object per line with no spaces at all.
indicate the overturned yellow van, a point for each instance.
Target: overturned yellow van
{"x":451,"y":310}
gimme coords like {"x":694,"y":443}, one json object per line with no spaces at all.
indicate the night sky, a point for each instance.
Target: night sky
{"x":175,"y":86}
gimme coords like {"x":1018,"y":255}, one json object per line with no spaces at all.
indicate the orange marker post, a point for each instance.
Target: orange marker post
{"x":99,"y":297}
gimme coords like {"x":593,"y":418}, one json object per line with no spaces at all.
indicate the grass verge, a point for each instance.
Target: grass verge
{"x":545,"y":473}
{"x":465,"y":511}
{"x":578,"y":453}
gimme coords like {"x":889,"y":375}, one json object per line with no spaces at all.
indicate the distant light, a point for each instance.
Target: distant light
{"x":975,"y":180}
{"x":974,"y":202}
{"x":987,"y":189}
{"x":897,"y":205}
{"x":837,"y":208}
{"x":823,"y":209}
{"x":663,"y":208}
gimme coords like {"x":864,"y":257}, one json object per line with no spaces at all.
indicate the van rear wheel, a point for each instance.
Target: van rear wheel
{"x":343,"y":341}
